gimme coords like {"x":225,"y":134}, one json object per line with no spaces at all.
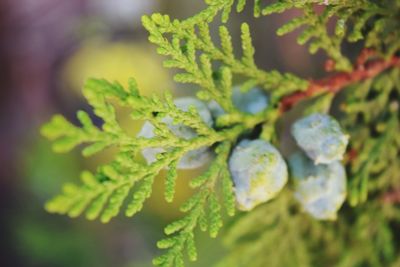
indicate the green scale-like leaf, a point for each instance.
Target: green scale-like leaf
{"x":104,"y":193}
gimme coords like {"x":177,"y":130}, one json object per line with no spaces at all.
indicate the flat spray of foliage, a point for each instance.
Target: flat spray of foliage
{"x":276,"y":233}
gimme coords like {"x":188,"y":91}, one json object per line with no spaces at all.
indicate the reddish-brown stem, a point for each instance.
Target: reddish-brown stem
{"x":364,"y":69}
{"x":391,"y":197}
{"x":352,"y":154}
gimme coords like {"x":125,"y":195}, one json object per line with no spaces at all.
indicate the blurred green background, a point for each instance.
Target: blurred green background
{"x":47,"y":49}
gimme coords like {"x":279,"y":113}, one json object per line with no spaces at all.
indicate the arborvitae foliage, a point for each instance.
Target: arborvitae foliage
{"x":277,"y":233}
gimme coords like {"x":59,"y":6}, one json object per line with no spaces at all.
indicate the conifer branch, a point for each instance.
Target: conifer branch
{"x":363,"y":70}
{"x":214,"y":66}
{"x":203,"y":209}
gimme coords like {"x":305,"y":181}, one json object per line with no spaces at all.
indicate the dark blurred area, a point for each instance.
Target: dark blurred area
{"x":47,"y":49}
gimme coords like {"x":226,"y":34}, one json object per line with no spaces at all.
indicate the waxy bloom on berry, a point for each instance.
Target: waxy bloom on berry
{"x":320,"y":189}
{"x":253,"y":101}
{"x":320,"y":137}
{"x":259,"y":172}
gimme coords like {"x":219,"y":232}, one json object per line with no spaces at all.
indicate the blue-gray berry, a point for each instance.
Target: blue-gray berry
{"x":258,"y":171}
{"x":192,"y":159}
{"x":320,"y":137}
{"x":320,"y":189}
{"x":253,"y":101}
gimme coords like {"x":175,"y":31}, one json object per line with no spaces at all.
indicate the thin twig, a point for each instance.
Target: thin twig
{"x":391,"y":197}
{"x":363,"y":69}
